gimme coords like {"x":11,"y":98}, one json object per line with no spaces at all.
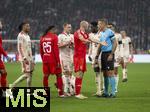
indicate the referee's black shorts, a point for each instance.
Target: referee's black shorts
{"x":107,"y":65}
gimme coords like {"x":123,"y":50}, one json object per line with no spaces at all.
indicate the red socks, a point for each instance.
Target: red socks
{"x":3,"y":80}
{"x":78,"y":84}
{"x":45,"y":81}
{"x":60,"y":85}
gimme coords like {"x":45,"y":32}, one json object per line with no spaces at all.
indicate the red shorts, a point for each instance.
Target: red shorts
{"x":49,"y":68}
{"x":79,"y":64}
{"x":2,"y":66}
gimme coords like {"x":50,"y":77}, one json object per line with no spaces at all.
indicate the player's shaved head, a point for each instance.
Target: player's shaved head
{"x":84,"y":25}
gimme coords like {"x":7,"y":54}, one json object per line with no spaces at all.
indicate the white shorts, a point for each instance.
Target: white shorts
{"x":66,"y":65}
{"x":126,"y":59}
{"x":116,"y":64}
{"x":27,"y":67}
{"x":117,"y":61}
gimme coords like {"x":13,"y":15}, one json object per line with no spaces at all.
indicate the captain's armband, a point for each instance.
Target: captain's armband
{"x":120,"y":42}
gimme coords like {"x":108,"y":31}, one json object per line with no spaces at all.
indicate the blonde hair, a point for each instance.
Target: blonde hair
{"x":83,"y":24}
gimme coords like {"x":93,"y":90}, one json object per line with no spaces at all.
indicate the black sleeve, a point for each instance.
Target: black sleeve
{"x":120,"y":41}
{"x":130,"y":43}
{"x":111,"y":36}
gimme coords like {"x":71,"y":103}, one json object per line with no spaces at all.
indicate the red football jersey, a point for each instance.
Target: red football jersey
{"x":80,"y":46}
{"x":49,"y":48}
{"x":2,"y":51}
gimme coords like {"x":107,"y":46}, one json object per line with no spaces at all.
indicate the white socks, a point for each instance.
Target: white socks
{"x":29,"y":81}
{"x":66,"y":83}
{"x":99,"y":82}
{"x":102,"y":81}
{"x":124,"y":72}
{"x":117,"y":80}
{"x":69,"y":84}
{"x":72,"y":85}
{"x":20,"y":79}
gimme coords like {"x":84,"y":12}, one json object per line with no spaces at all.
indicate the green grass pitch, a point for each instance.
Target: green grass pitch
{"x":133,"y":96}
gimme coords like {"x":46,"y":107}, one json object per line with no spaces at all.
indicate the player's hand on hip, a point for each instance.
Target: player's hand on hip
{"x":110,"y":57}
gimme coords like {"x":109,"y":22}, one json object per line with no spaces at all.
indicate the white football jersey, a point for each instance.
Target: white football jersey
{"x":67,"y":50}
{"x":119,"y":46}
{"x":24,"y":46}
{"x":126,"y":46}
{"x":72,"y":48}
{"x":93,"y":46}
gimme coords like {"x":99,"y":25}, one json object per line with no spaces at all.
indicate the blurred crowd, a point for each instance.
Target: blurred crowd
{"x":130,"y":15}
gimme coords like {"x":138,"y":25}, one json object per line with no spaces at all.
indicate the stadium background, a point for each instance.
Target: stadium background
{"x":130,"y":15}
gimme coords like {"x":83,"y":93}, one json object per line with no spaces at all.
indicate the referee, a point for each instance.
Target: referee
{"x":107,"y":57}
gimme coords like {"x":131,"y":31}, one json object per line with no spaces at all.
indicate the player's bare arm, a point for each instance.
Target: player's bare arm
{"x":97,"y":41}
{"x":83,"y":39}
{"x":97,"y":53}
{"x":131,"y":49}
{"x":113,"y":50}
{"x":94,"y":40}
{"x":5,"y":54}
{"x":64,"y":44}
{"x":90,"y":51}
